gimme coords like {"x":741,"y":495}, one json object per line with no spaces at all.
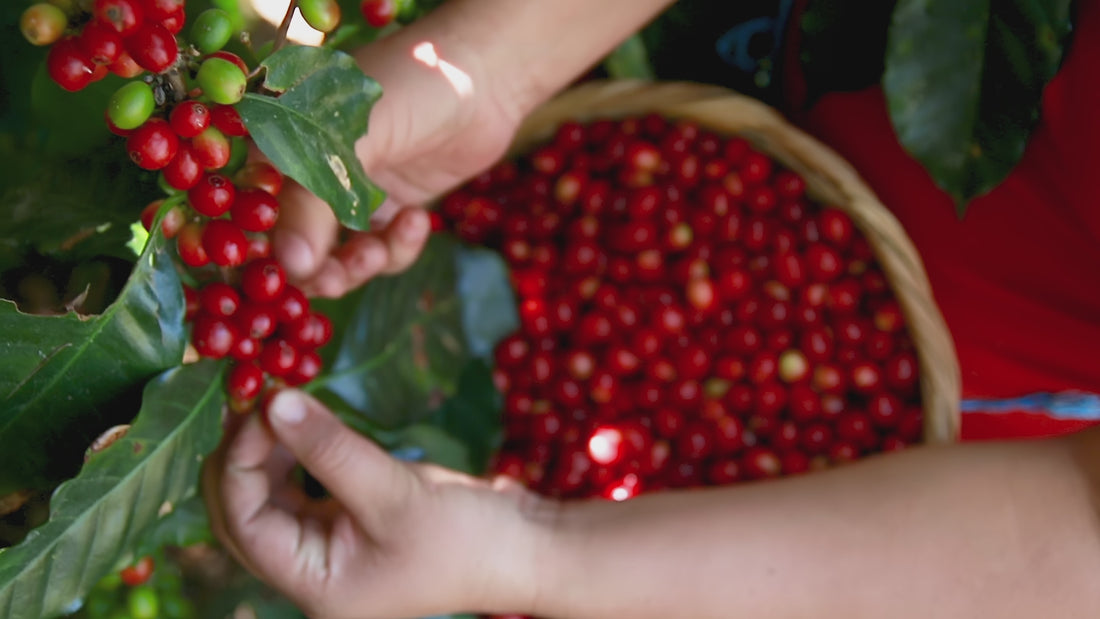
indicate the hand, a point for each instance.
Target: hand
{"x":396,"y":539}
{"x":438,"y":123}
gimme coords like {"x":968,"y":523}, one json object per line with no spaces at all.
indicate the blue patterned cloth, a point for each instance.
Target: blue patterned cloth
{"x":1062,"y":405}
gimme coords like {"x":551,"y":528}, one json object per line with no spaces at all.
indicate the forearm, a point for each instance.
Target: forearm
{"x":524,"y":51}
{"x":971,"y":531}
{"x":542,"y":45}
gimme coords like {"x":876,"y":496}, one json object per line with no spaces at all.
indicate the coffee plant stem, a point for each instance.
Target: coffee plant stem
{"x":284,"y":27}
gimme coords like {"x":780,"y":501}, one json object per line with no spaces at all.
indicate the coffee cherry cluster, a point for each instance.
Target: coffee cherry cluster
{"x":264,"y":324}
{"x":91,"y":39}
{"x":688,"y":315}
{"x":140,"y":592}
{"x":181,"y":121}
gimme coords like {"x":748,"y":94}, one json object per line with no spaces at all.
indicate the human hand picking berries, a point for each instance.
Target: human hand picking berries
{"x":395,"y":539}
{"x":430,"y":131}
{"x":456,"y":84}
{"x":406,"y":540}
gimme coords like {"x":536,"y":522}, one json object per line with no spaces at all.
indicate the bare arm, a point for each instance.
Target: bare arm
{"x":529,"y":49}
{"x":996,"y":530}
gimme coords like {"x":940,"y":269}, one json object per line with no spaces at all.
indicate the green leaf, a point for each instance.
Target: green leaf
{"x":98,"y":517}
{"x":488,"y":301}
{"x":186,"y":525}
{"x":354,"y":32}
{"x":322,"y":110}
{"x":473,"y":415}
{"x":72,"y":122}
{"x":437,"y":445}
{"x":964,"y":82}
{"x":401,"y":344}
{"x":629,"y":60}
{"x":70,"y":208}
{"x":61,"y":375}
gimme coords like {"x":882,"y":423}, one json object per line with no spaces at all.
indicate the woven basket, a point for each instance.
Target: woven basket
{"x":829,"y":180}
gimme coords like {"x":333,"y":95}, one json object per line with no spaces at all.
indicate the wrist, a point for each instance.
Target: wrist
{"x":529,"y":51}
{"x":516,"y":553}
{"x":438,"y":78}
{"x":569,"y":542}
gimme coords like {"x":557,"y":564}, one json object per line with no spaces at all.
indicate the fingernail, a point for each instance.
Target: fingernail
{"x":287,"y":408}
{"x":295,"y":254}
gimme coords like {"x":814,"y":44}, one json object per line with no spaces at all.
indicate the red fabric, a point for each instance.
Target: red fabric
{"x":1017,"y":279}
{"x":1016,"y":424}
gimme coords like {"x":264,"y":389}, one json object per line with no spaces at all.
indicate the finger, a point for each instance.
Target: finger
{"x":405,"y":238}
{"x":384,"y":214}
{"x":331,"y":280}
{"x":211,"y":487}
{"x":210,"y":483}
{"x":355,"y":471}
{"x":304,"y":233}
{"x":271,"y":542}
{"x":362,"y":256}
{"x":387,"y":250}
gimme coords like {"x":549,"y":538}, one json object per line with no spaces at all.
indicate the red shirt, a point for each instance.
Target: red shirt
{"x":1018,"y":278}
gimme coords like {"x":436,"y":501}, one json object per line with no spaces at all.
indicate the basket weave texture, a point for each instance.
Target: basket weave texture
{"x":829,"y":180}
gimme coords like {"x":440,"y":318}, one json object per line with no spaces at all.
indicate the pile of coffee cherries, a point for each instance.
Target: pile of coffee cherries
{"x":689,"y":316}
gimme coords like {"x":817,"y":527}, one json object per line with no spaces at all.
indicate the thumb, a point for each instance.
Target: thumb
{"x":305,"y":232}
{"x":356,"y":471}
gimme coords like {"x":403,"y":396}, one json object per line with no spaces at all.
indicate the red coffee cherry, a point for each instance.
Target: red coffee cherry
{"x":124,"y":16}
{"x":255,"y":210}
{"x":219,"y":299}
{"x":139,"y":573}
{"x":245,"y":381}
{"x":153,"y":145}
{"x":213,"y":195}
{"x":263,"y":280}
{"x":213,"y":337}
{"x":225,"y":243}
{"x":70,"y":66}
{"x":189,"y":119}
{"x":152,"y":46}
{"x":189,"y":245}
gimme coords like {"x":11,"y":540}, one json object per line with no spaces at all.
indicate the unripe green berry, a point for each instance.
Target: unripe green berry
{"x":211,"y":30}
{"x":43,"y":24}
{"x":323,"y":15}
{"x":221,"y":81}
{"x":143,"y":602}
{"x":131,"y":105}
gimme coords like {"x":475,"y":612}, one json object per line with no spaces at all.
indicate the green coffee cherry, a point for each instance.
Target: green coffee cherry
{"x":143,"y":602}
{"x":323,"y":15}
{"x":131,"y":105}
{"x":211,"y":30}
{"x":175,"y":607}
{"x":111,"y":581}
{"x":221,"y":81}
